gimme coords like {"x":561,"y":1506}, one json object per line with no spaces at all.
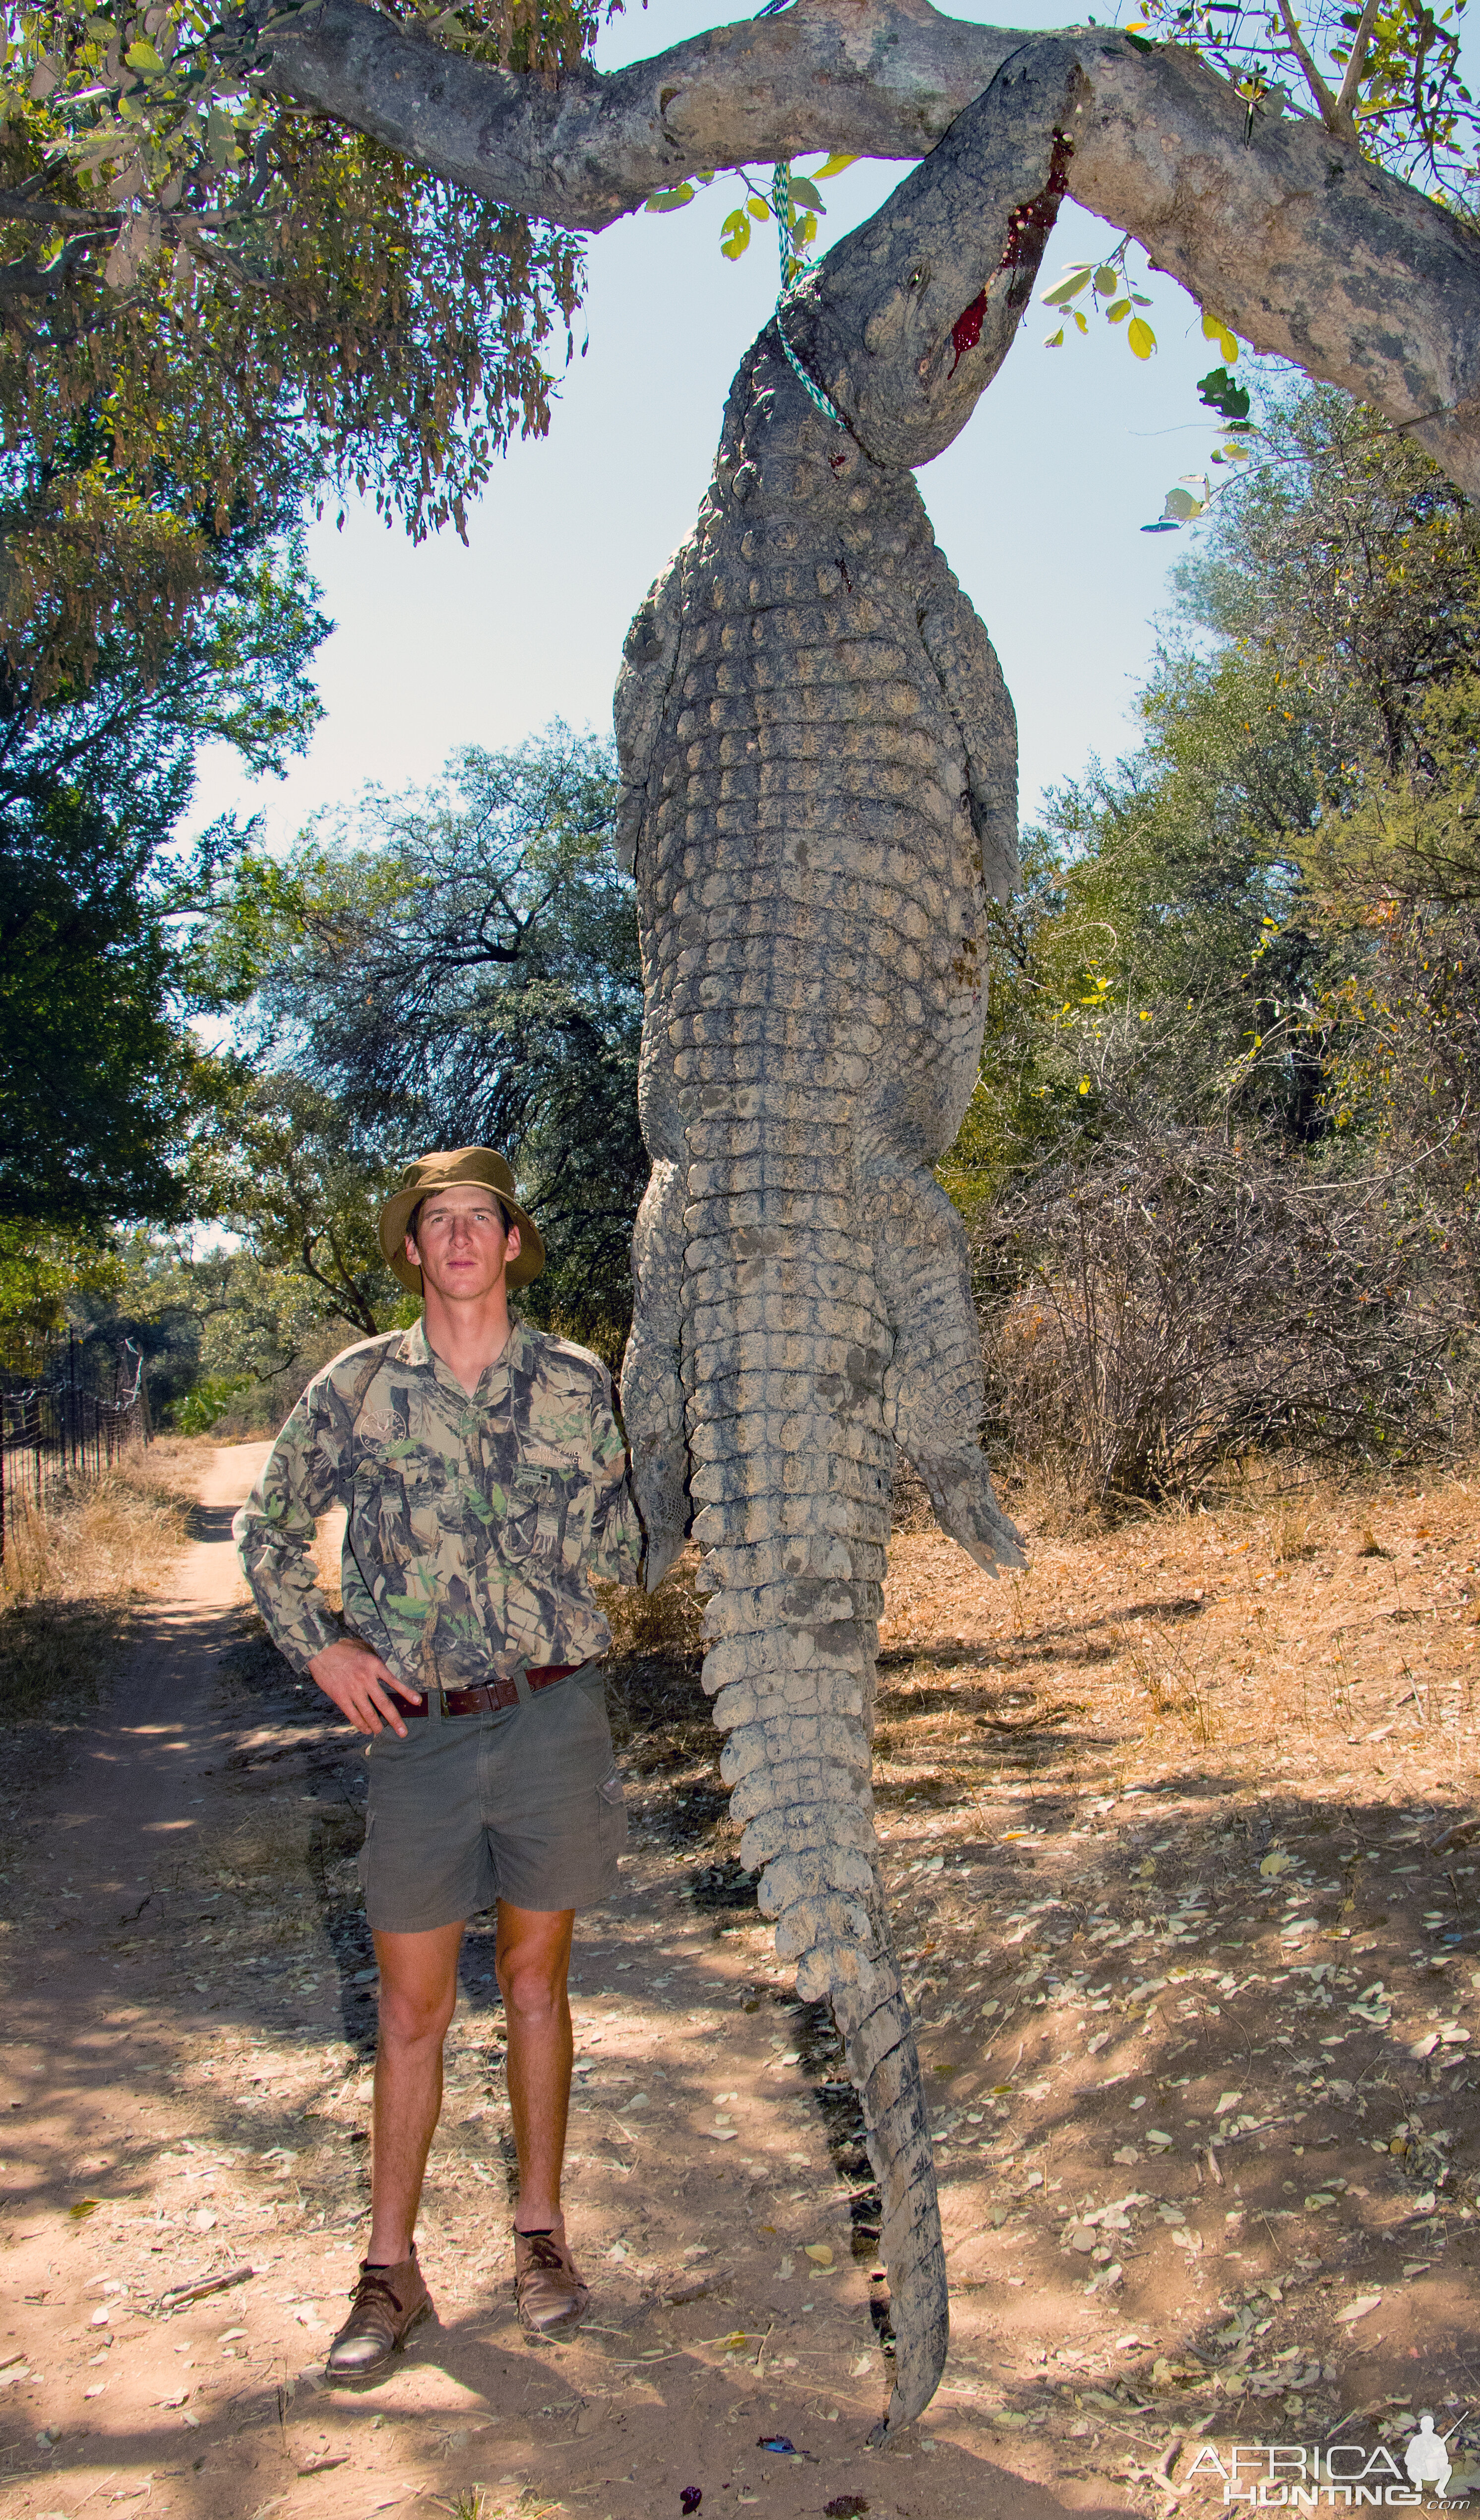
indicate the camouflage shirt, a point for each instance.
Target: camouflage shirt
{"x":475,"y":1521}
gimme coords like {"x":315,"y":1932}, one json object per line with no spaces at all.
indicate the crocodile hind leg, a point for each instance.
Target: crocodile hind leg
{"x":652,"y":1391}
{"x":933,"y":1385}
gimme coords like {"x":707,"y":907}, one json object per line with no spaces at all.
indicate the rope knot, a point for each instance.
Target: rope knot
{"x":793,"y":269}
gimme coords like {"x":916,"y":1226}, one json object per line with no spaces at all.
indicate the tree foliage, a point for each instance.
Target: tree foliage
{"x":210,"y":301}
{"x":98,"y":902}
{"x":283,"y":1165}
{"x":1348,"y":563}
{"x":1385,"y":79}
{"x":1223,"y":1161}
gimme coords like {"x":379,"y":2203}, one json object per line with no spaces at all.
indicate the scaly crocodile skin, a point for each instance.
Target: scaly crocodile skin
{"x":830,"y":785}
{"x":819,"y":761}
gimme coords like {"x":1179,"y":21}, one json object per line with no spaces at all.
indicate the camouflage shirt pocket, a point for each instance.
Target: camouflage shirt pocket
{"x":540,"y":1500}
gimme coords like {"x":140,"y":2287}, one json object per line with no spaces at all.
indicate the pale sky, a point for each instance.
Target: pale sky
{"x":1037,"y":507}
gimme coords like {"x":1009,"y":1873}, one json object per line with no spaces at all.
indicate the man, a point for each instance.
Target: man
{"x":485,"y":1483}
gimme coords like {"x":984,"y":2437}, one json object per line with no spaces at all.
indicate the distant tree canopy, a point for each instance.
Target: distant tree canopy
{"x":98,"y":898}
{"x":461,"y":967}
{"x":1223,"y":1161}
{"x":1186,"y":913}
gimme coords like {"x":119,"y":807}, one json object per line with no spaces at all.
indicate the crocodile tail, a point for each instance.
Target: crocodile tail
{"x":785,"y":1352}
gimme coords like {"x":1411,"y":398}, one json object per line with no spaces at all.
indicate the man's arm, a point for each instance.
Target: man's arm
{"x":616,"y":1535}
{"x":274,"y":1533}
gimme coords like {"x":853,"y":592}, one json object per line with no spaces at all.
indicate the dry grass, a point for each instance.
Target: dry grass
{"x":73,"y":1570}
{"x":669,"y":1622}
{"x":1327,"y":1626}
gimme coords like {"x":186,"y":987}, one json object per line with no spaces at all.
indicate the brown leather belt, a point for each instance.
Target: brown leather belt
{"x":495,"y":1692}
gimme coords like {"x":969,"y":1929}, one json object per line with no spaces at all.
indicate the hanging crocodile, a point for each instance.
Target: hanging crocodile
{"x":820,"y":768}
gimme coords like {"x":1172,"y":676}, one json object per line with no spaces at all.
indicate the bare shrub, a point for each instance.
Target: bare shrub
{"x":1183,"y":1301}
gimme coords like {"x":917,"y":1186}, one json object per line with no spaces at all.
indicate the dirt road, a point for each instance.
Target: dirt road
{"x":1190,"y":2011}
{"x":190,"y":1994}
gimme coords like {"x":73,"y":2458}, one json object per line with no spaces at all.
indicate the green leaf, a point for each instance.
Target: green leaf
{"x":1219,"y":391}
{"x":807,"y":193}
{"x":1106,"y":279}
{"x":1139,"y":336}
{"x":734,"y":236}
{"x":1214,"y":329}
{"x":673,"y":200}
{"x":1117,"y":313}
{"x":835,"y":166}
{"x":1076,"y":278}
{"x":1055,"y":341}
{"x":758,"y":208}
{"x":141,"y":56}
{"x":1180,"y":507}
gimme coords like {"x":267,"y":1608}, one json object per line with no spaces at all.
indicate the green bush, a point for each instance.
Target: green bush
{"x":206,"y":1402}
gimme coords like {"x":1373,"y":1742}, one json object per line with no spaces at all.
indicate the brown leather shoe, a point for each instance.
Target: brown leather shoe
{"x":549,"y":2294}
{"x":383,"y":2309}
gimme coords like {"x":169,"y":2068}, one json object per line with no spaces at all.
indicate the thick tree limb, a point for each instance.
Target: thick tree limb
{"x":1303,"y":246}
{"x":1300,"y":244}
{"x":885,"y":78}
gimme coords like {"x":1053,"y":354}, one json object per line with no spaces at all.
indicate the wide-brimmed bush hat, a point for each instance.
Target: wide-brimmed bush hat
{"x":439,"y":1170}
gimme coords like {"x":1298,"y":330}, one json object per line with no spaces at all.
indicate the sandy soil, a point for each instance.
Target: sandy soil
{"x":1171,"y":1825}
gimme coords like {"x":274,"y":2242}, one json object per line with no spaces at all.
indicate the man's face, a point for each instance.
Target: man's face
{"x":460,"y":1244}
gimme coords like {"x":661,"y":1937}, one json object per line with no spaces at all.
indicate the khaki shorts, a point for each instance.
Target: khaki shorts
{"x":522,"y":1803}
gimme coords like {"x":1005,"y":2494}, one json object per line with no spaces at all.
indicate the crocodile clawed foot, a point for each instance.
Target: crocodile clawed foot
{"x":961,"y":1492}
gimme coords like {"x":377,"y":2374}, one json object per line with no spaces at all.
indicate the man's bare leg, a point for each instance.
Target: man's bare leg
{"x":533,"y":1958}
{"x":419,"y":1988}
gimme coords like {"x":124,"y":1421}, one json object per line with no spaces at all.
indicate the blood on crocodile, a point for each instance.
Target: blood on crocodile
{"x":1027,"y":226}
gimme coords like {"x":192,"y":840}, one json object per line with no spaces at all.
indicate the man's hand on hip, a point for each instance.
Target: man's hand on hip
{"x":360,"y":1686}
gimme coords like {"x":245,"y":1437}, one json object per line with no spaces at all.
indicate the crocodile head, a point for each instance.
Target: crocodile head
{"x":907,"y":321}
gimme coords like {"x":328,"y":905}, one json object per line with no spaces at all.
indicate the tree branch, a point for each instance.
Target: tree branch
{"x":1325,"y":103}
{"x":885,"y":78}
{"x":1361,"y":46}
{"x":1304,"y":247}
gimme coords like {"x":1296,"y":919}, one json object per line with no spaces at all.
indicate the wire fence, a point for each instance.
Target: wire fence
{"x":66,"y":1414}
